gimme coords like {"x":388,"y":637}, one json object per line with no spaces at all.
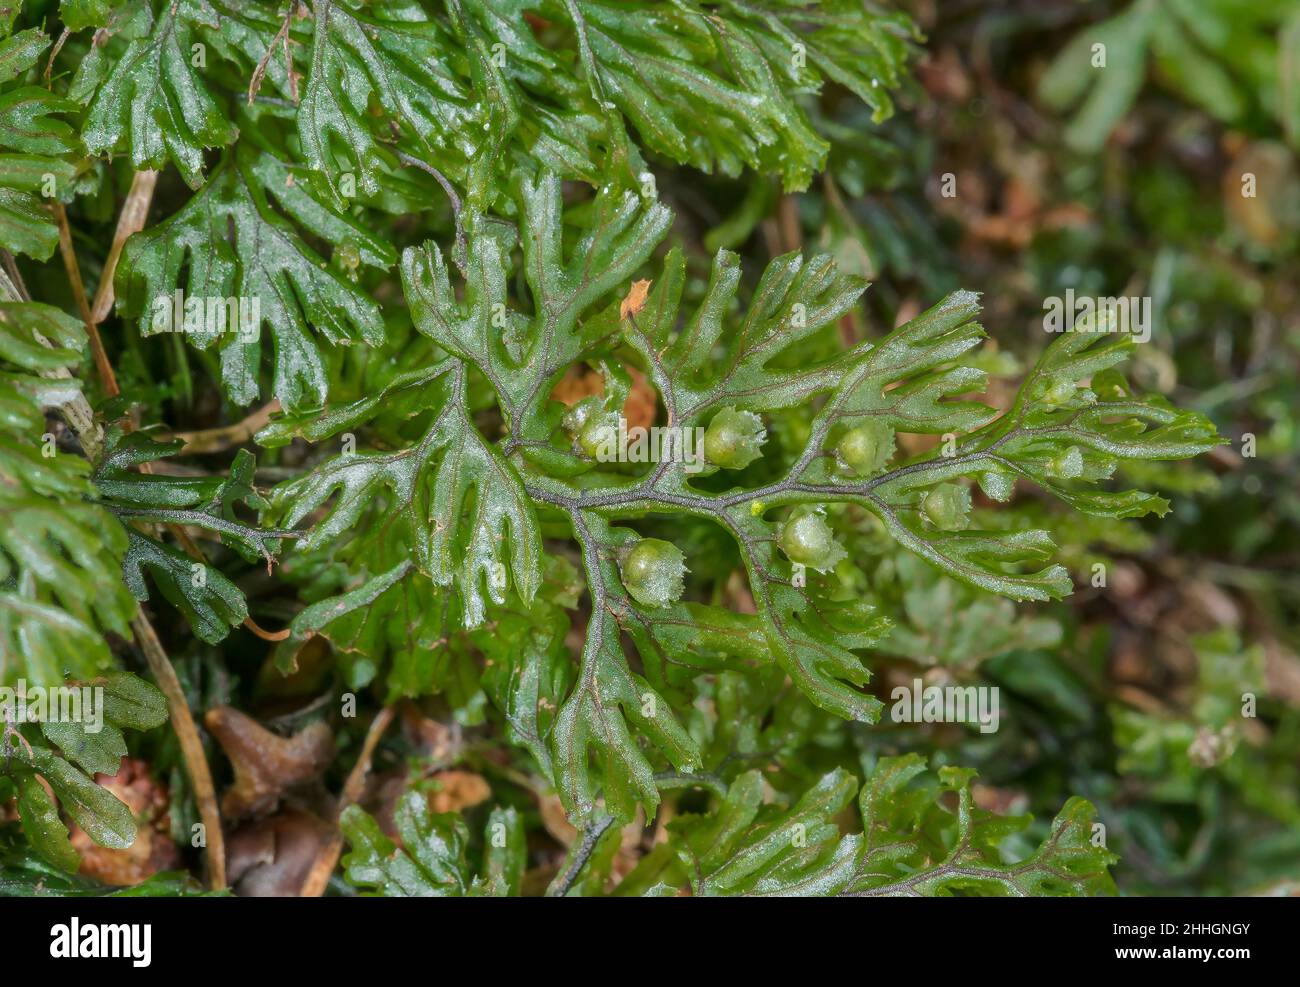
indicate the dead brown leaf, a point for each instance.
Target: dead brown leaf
{"x":635,"y":300}
{"x":266,"y":765}
{"x":642,"y":402}
{"x":270,"y":857}
{"x":458,"y":790}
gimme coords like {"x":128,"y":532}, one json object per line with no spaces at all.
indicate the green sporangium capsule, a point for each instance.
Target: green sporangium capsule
{"x":734,"y":439}
{"x":865,"y":449}
{"x":599,"y":437}
{"x":807,"y":539}
{"x":947,"y":506}
{"x":1068,"y":465}
{"x":578,"y":415}
{"x":997,"y":483}
{"x":653,"y":571}
{"x":1056,"y":391}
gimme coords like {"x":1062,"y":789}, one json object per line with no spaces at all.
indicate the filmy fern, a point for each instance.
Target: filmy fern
{"x":1061,"y":433}
{"x":443,"y":210}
